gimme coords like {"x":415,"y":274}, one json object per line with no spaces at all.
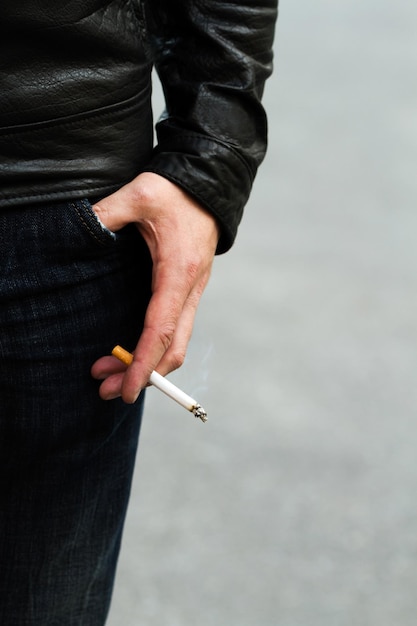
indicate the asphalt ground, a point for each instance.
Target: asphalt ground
{"x":296,"y":504}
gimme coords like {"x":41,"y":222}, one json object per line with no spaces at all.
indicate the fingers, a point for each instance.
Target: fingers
{"x":106,"y":366}
{"x":111,"y":371}
{"x":167,"y":353}
{"x":164,"y":339}
{"x":174,"y":357}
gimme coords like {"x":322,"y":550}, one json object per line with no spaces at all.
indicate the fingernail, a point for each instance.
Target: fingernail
{"x":135,"y":398}
{"x":130,"y":399}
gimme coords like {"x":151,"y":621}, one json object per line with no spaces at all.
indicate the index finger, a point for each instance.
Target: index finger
{"x":162,"y":315}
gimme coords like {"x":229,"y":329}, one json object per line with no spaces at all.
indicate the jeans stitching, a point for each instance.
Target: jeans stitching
{"x":86,"y":224}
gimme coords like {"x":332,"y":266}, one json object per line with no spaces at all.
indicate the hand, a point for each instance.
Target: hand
{"x":182,"y":239}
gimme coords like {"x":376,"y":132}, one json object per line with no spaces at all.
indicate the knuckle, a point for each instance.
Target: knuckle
{"x":166,"y":334}
{"x":193,"y":270}
{"x":141,"y":196}
{"x":177,"y":359}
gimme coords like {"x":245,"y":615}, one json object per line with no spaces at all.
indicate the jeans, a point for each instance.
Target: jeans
{"x":69,"y":291}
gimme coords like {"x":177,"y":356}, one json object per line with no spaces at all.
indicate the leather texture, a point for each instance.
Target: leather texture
{"x":75,"y":88}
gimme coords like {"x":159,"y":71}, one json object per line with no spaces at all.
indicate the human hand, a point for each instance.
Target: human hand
{"x":182,"y":238}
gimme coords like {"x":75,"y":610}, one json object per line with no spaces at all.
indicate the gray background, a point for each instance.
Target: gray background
{"x":296,"y":504}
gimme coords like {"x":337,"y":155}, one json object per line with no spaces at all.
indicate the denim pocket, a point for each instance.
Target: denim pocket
{"x":91,"y":224}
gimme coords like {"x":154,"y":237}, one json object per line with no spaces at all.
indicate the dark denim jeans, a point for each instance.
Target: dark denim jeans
{"x":69,"y":291}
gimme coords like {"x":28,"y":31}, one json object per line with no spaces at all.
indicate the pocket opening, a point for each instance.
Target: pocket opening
{"x":91,"y":222}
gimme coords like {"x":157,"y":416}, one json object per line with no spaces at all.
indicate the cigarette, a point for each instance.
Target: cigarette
{"x":165,"y":386}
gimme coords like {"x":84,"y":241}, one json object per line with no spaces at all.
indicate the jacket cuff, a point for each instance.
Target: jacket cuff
{"x":214,"y":174}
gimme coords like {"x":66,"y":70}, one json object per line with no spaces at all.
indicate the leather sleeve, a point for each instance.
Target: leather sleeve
{"x":212,"y":57}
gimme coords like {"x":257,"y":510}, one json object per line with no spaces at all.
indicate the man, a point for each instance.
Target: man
{"x":106,"y":240}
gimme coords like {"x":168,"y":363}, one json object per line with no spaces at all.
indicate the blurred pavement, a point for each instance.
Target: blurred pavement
{"x":296,"y":504}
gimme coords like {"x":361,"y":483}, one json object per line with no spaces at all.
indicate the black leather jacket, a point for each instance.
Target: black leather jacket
{"x":75,"y":87}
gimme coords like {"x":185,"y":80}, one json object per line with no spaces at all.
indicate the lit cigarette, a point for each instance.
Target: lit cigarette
{"x":165,"y":385}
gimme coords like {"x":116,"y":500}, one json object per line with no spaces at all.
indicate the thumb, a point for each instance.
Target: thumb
{"x":117,"y":210}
